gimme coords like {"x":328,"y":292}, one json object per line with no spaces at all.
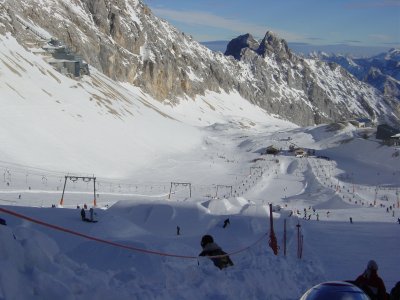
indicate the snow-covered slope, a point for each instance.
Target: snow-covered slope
{"x":95,"y":125}
{"x":190,"y":163}
{"x":137,"y":254}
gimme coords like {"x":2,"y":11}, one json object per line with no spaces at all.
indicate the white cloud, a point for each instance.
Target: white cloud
{"x":381,"y":37}
{"x":197,"y":18}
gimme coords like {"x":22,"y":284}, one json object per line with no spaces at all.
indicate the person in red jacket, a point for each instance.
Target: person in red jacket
{"x":371,"y":283}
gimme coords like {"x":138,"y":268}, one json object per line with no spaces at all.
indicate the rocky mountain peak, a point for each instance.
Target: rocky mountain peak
{"x":236,"y":45}
{"x":126,"y":42}
{"x":272,"y":45}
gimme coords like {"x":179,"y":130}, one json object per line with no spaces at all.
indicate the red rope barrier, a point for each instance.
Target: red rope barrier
{"x":59,"y":228}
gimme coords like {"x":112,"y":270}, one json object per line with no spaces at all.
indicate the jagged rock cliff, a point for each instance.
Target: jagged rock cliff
{"x":124,"y":40}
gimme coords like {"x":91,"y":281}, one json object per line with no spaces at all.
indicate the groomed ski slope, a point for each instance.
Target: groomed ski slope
{"x":140,"y":212}
{"x":52,"y":126}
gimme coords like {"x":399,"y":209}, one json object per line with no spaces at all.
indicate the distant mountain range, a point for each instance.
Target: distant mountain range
{"x":381,"y":71}
{"x":305,"y":49}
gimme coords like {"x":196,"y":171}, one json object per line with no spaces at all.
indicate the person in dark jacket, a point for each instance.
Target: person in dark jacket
{"x":371,"y":283}
{"x":83,"y":214}
{"x":221,"y":259}
{"x":395,"y":292}
{"x":226,"y":223}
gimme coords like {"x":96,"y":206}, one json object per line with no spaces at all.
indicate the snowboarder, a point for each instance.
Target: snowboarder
{"x":351,"y":220}
{"x":211,"y":249}
{"x":3,"y":222}
{"x":226,"y":223}
{"x":178,"y":230}
{"x":371,"y":283}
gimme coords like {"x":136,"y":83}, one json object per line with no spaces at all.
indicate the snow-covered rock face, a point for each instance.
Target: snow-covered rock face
{"x":381,"y":71}
{"x":124,"y":40}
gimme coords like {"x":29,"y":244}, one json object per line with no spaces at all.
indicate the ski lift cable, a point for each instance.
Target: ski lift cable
{"x":99,"y":240}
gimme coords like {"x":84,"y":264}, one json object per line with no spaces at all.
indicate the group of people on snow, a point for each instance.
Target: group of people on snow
{"x":91,"y":215}
{"x":368,"y":281}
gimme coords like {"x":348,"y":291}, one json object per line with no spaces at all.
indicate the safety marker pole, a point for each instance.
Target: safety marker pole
{"x":272,"y":238}
{"x":94,"y":190}
{"x":62,"y":196}
{"x":284,"y":238}
{"x":299,"y":242}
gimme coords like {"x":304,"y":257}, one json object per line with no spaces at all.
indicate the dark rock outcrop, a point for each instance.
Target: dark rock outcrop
{"x":235,"y":46}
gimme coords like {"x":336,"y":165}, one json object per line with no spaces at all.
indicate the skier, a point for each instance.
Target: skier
{"x":371,"y":283}
{"x":83,"y":214}
{"x":212,"y":249}
{"x":91,"y":214}
{"x":178,"y":230}
{"x":226,"y":223}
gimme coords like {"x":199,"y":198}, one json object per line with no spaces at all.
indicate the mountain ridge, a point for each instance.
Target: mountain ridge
{"x":380,"y":71}
{"x":126,"y":42}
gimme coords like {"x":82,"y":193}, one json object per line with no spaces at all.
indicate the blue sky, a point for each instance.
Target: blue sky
{"x":318,"y":22}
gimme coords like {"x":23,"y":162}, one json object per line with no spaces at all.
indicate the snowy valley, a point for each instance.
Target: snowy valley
{"x":190,"y":161}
